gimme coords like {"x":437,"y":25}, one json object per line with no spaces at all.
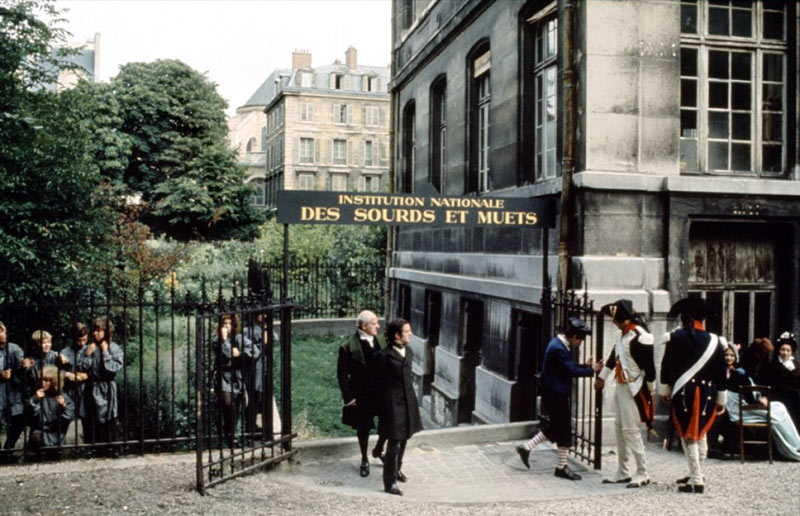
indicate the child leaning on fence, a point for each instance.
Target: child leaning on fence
{"x":102,"y":360}
{"x":229,"y":347}
{"x":76,"y":376}
{"x":50,"y":410}
{"x":11,"y":388}
{"x":42,"y":355}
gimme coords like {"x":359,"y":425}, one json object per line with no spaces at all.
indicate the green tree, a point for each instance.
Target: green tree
{"x":55,"y":221}
{"x":179,"y":161}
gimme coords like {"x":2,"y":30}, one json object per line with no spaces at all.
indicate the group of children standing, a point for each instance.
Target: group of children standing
{"x":46,"y":390}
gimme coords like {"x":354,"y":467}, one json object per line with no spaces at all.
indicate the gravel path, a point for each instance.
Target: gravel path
{"x":165,"y":485}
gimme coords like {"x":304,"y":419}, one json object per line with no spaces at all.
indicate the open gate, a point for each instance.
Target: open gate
{"x":587,"y":404}
{"x":244,"y":412}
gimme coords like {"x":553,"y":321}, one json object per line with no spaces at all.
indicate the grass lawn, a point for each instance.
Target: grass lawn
{"x":316,"y":400}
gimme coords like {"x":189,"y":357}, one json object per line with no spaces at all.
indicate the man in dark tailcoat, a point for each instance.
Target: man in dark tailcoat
{"x":399,"y":416}
{"x":359,"y":381}
{"x":693,"y":383}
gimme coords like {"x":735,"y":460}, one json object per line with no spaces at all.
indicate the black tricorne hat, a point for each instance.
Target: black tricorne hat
{"x":694,"y":307}
{"x":620,"y":310}
{"x":576,"y":327}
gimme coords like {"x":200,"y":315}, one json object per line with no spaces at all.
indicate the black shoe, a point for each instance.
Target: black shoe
{"x":567,"y":473}
{"x":401,"y":477}
{"x":393,"y":489}
{"x":524,"y":455}
{"x":684,"y":480}
{"x":376,"y":453}
{"x":691,"y":488}
{"x":364,"y":469}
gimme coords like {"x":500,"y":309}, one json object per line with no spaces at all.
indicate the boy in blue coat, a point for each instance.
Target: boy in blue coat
{"x":556,"y":381}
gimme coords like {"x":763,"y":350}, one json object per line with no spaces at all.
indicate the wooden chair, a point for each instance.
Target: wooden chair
{"x":749,"y":401}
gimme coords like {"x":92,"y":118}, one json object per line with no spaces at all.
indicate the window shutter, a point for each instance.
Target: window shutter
{"x":310,"y":111}
{"x":364,"y":115}
{"x":381,"y":116}
{"x":317,"y":145}
{"x":332,"y":118}
{"x":347,"y":82}
{"x":350,"y":156}
{"x":377,"y":84}
{"x":329,"y":154}
{"x":296,"y":150}
{"x":349,"y":109}
{"x":332,"y":81}
{"x":384,"y":160}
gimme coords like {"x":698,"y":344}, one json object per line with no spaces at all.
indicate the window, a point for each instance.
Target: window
{"x":479,"y":119}
{"x":371,"y":115}
{"x":307,"y":112}
{"x":251,"y":144}
{"x":733,"y":87}
{"x":438,"y":132}
{"x":545,"y":106}
{"x":305,"y":181}
{"x":406,"y":13}
{"x":257,"y":199}
{"x":306,"y":79}
{"x":370,"y":83}
{"x":339,"y":182}
{"x":341,"y":114}
{"x":369,"y":183}
{"x":306,"y":150}
{"x":409,"y":149}
{"x":369,"y":153}
{"x":340,"y":152}
{"x":337,"y":81}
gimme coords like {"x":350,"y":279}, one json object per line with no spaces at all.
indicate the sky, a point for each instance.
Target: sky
{"x":236,"y":43}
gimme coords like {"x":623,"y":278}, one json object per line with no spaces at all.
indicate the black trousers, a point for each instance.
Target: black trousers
{"x":393,"y":461}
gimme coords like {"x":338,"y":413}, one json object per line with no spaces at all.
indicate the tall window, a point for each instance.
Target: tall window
{"x":371,"y":115}
{"x":546,"y":98}
{"x":305,"y":181}
{"x":369,"y":183}
{"x":340,"y":113}
{"x":733,"y":87}
{"x":369,"y":153}
{"x":307,"y":112}
{"x":257,"y":199}
{"x":340,"y":152}
{"x":306,"y":150}
{"x":339,"y":182}
{"x":409,"y":148}
{"x":479,"y":119}
{"x":438,"y":131}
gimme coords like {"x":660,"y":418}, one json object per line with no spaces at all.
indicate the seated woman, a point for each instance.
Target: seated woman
{"x":784,"y":433}
{"x":785,"y":376}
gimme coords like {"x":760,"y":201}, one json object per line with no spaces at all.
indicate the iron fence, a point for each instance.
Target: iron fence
{"x":139,"y":391}
{"x":327,"y":290}
{"x":587,"y":404}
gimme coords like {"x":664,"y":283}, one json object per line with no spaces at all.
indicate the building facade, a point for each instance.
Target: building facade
{"x":665,"y":130}
{"x":326,"y":128}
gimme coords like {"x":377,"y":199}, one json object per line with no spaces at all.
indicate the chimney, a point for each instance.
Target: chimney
{"x":301,"y":59}
{"x":350,"y":58}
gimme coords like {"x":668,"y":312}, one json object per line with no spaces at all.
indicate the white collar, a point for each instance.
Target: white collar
{"x":365,"y":336}
{"x":563,"y":339}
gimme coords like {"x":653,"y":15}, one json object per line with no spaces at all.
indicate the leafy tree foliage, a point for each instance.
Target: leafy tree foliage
{"x":178,"y":160}
{"x":55,"y":218}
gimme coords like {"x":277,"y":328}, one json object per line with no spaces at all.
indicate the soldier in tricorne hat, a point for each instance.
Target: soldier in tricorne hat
{"x":631,"y":364}
{"x":693,"y":383}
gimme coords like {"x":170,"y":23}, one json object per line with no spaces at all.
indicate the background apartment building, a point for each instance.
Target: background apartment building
{"x":667,"y":134}
{"x":326,"y":128}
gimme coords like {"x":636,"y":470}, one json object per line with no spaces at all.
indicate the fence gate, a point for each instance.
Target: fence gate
{"x":244,"y":412}
{"x":587,"y":404}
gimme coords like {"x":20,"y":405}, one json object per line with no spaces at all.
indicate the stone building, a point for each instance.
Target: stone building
{"x":85,"y":60}
{"x":326,"y":127}
{"x":665,"y":130}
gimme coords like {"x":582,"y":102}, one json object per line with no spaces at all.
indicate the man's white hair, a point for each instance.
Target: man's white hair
{"x":364,"y":317}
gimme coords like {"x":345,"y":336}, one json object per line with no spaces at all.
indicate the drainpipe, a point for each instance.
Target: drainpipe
{"x":391,"y":230}
{"x":568,"y":142}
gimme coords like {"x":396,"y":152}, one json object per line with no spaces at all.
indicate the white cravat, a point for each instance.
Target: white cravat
{"x":365,"y":336}
{"x":402,"y":351}
{"x":788,"y":364}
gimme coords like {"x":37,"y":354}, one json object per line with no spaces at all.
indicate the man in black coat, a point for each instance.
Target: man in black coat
{"x":359,"y":382}
{"x":399,"y":416}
